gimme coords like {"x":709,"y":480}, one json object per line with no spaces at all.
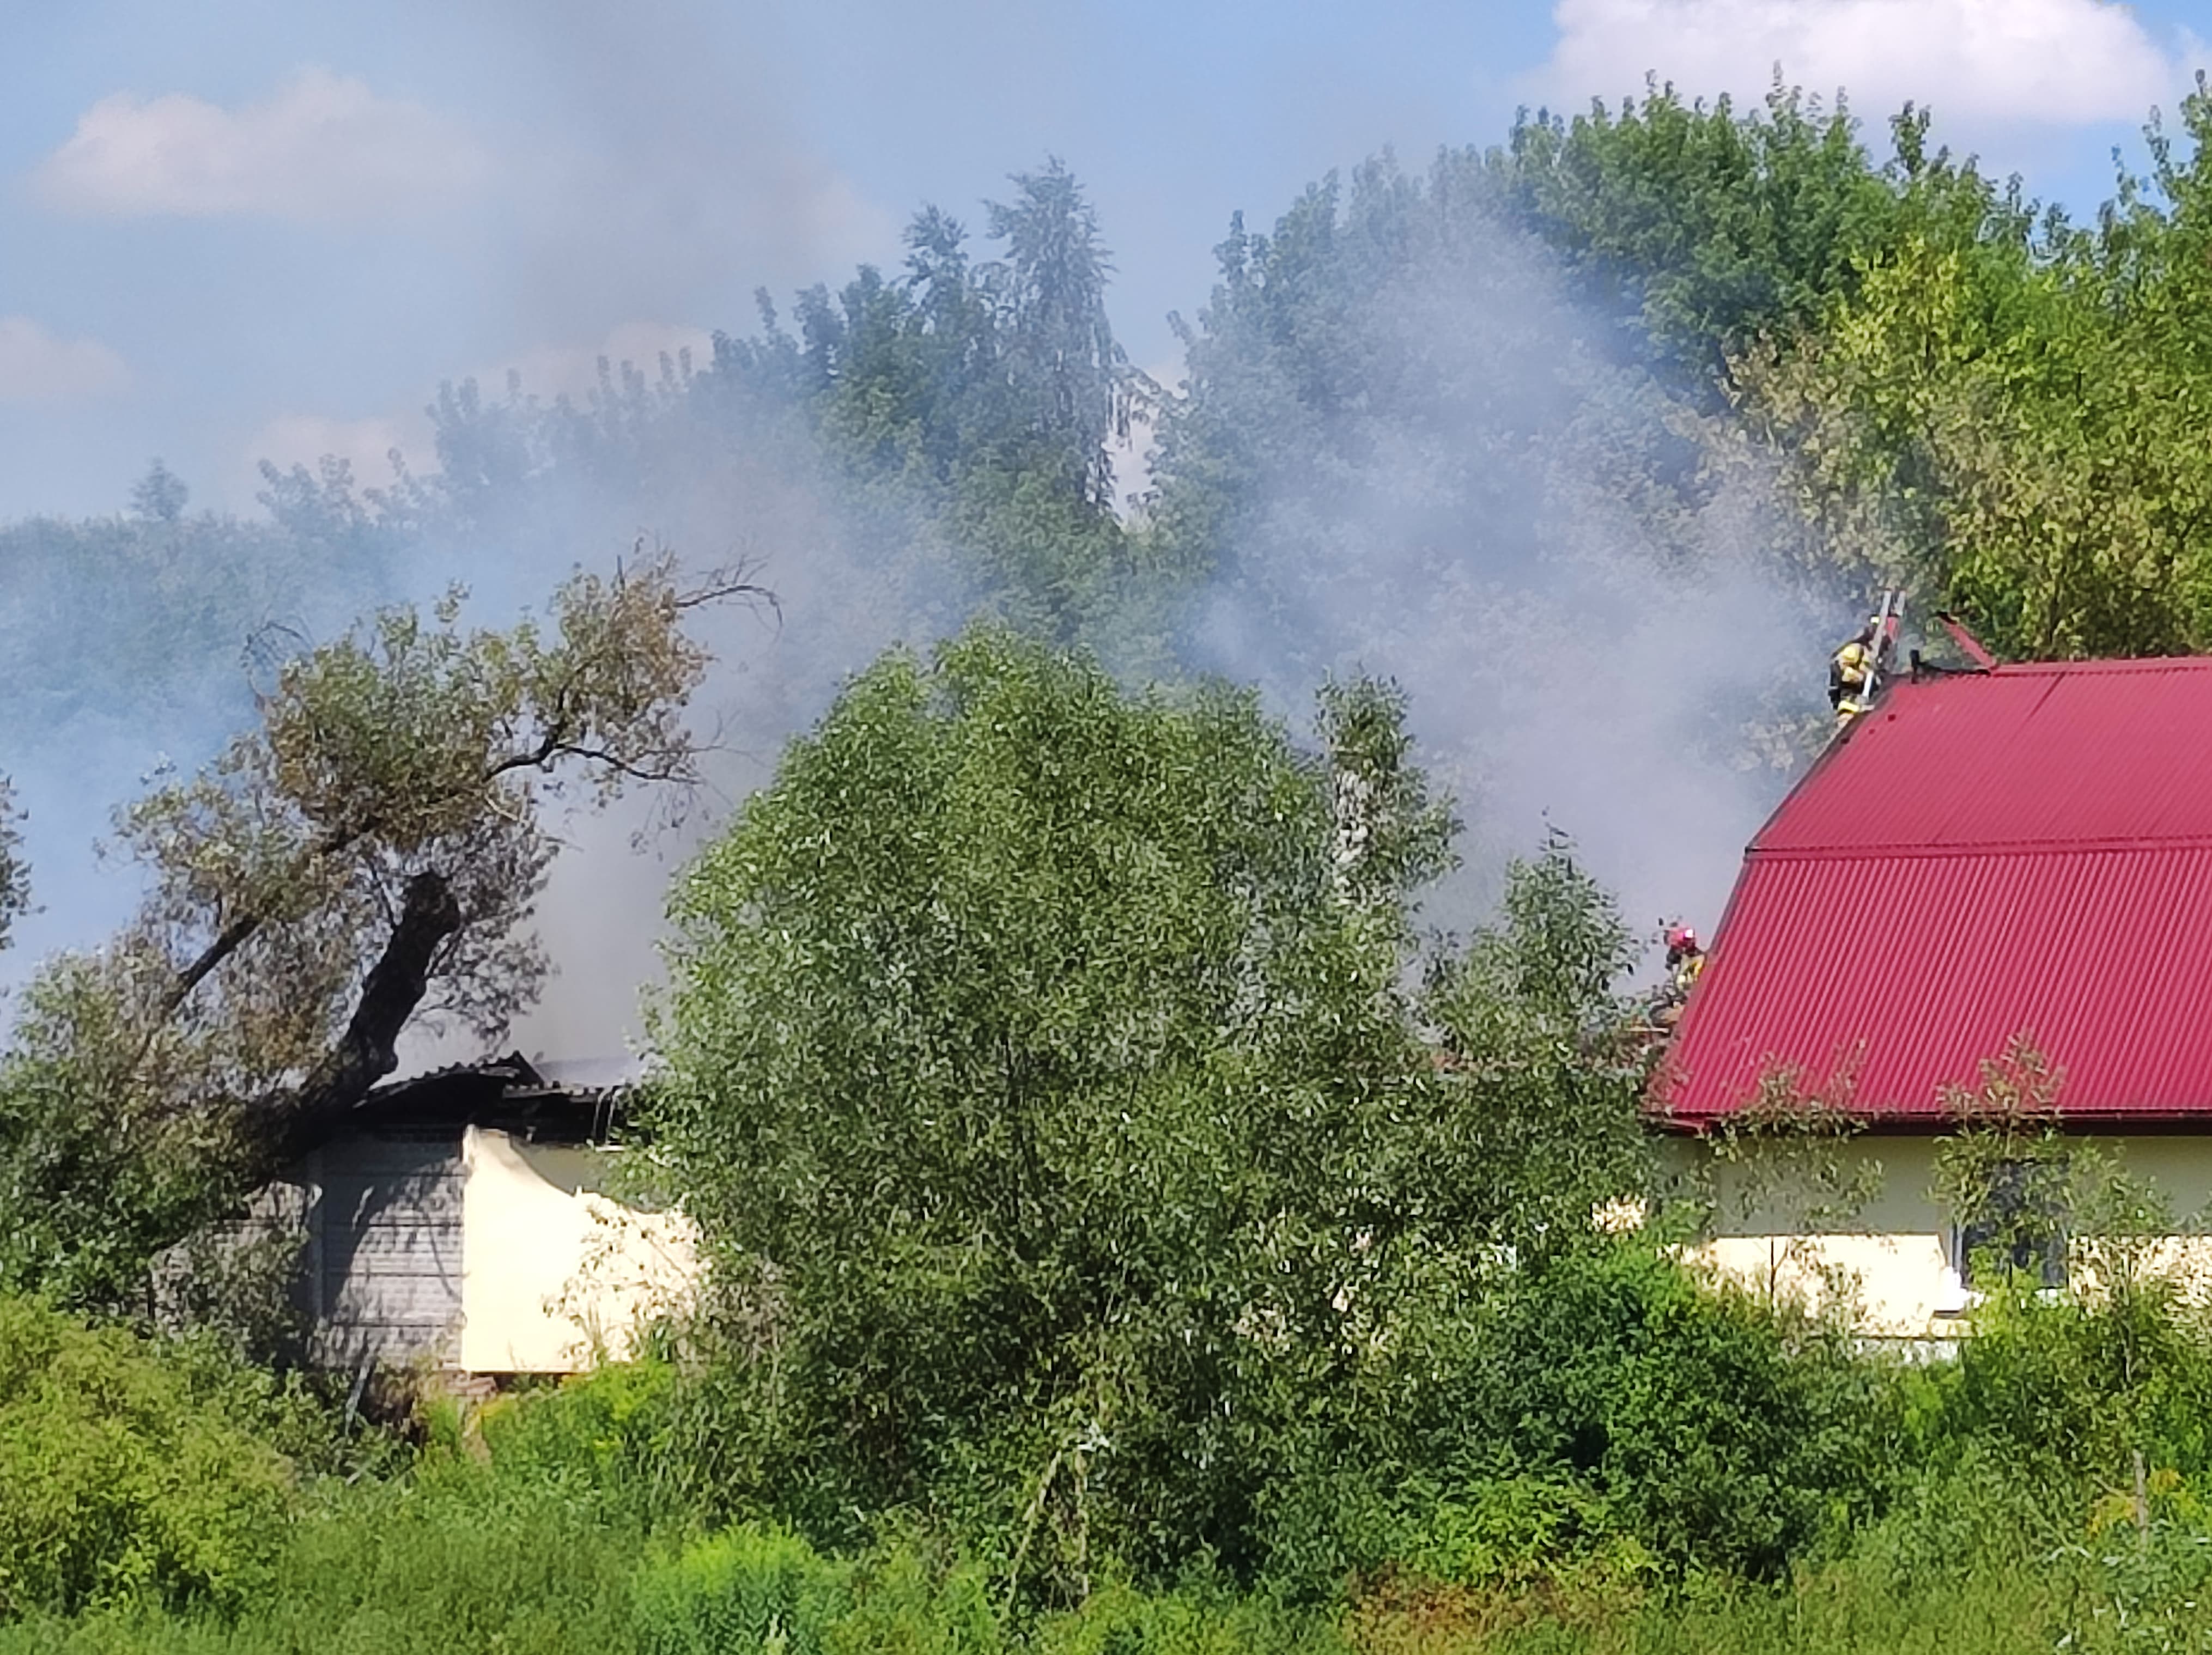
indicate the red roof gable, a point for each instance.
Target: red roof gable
{"x":2024,"y":852}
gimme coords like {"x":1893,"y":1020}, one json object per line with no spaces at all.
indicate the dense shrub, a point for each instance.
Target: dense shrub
{"x":744,"y":1589}
{"x":2069,"y":1388}
{"x":1725,"y":1434}
{"x":1598,"y":1411}
{"x":122,"y":1472}
{"x":613,"y":1438}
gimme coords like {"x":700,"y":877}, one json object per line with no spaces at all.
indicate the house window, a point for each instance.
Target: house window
{"x":2019,"y":1225}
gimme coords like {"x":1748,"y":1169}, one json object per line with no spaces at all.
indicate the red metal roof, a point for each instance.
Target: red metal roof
{"x":2027,"y":852}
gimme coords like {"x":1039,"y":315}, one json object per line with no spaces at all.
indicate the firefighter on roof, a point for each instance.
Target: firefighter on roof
{"x":1847,"y":667}
{"x":1685,"y":958}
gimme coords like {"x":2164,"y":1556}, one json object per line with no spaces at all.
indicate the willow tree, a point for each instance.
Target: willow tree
{"x":367,"y":856}
{"x":1045,"y":1074}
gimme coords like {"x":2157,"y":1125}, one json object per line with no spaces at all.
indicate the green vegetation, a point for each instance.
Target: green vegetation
{"x":1080,"y":1099}
{"x":1984,"y":404}
{"x":1129,"y":1228}
{"x":168,"y":1502}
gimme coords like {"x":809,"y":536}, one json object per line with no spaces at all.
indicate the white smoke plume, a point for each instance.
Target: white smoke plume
{"x":1586,"y":620}
{"x":1583,"y":585}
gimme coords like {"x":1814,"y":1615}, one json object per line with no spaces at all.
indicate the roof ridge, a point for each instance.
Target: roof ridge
{"x":1905,"y":849}
{"x":2098,"y":663}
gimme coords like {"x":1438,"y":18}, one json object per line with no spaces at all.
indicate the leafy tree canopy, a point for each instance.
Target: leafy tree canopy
{"x":2007,"y":426}
{"x":1043,"y":1071}
{"x":370,"y":853}
{"x":1719,"y":226}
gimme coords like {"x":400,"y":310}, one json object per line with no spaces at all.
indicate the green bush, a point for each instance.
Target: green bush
{"x":123,"y":1473}
{"x":1598,"y":1409}
{"x":744,"y":1589}
{"x":909,"y":1600}
{"x":1122,"y":1622}
{"x":2068,"y":1389}
{"x":614,"y":1435}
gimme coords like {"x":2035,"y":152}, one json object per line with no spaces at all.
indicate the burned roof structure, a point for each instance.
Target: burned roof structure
{"x":419,"y":1210}
{"x":535,"y":1103}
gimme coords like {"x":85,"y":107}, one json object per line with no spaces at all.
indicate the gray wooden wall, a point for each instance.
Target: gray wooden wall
{"x":384,"y":1248}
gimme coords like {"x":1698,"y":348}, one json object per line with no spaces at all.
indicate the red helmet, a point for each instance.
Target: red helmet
{"x":1680,"y":939}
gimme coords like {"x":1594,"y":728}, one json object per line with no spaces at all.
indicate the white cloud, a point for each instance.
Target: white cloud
{"x":36,"y":367}
{"x":322,"y":148}
{"x":1980,"y":62}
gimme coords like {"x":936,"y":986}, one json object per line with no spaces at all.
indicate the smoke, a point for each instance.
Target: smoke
{"x":660,"y":168}
{"x":1593,"y":593}
{"x":121,"y":685}
{"x":848,"y":584}
{"x":1583,"y":583}
{"x":688,"y":466}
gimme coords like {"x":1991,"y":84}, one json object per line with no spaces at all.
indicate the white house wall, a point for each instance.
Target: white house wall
{"x":1894,"y":1257}
{"x":555,"y":1273}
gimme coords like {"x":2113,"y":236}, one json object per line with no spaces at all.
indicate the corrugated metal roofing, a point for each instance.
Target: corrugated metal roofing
{"x":2024,"y":852}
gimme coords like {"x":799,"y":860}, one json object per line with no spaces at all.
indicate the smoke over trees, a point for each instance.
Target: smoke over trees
{"x":1504,"y":430}
{"x":371,"y":854}
{"x":1115,"y":1181}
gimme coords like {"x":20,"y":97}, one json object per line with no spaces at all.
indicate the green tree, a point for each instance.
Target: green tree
{"x":370,"y":853}
{"x":15,"y":876}
{"x":144,"y":617}
{"x":1718,"y":227}
{"x":1020,"y":1048}
{"x":1548,"y":1125}
{"x":978,"y":402}
{"x":1068,"y":373}
{"x":1043,"y":1072}
{"x":160,"y":496}
{"x":2004,"y":421}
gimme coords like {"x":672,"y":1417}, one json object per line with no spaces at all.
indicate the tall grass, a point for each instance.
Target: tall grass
{"x":2049,"y":1489}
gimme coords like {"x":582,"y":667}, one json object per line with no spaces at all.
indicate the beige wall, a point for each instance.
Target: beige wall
{"x":1783,"y":1228}
{"x":555,"y":1273}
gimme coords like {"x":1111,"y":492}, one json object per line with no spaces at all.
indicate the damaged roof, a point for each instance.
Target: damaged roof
{"x":510,"y":1094}
{"x":2026,"y":852}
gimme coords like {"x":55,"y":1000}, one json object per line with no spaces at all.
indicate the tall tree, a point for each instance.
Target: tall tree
{"x":1042,"y":1073}
{"x":371,"y":853}
{"x":1069,"y":373}
{"x":160,"y":496}
{"x":977,"y":402}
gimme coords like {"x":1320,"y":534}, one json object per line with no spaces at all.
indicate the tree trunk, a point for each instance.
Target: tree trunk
{"x":279,"y":1129}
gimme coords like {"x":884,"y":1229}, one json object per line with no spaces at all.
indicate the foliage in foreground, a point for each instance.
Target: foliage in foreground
{"x":1045,"y":1069}
{"x":1518,"y":1491}
{"x":126,"y":1474}
{"x":1086,"y":1176}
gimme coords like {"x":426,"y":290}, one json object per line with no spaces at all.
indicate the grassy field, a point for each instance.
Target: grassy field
{"x":461,"y":1554}
{"x":162,"y":1498}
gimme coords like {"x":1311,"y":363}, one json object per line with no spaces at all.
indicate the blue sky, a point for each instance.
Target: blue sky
{"x":244,"y":228}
